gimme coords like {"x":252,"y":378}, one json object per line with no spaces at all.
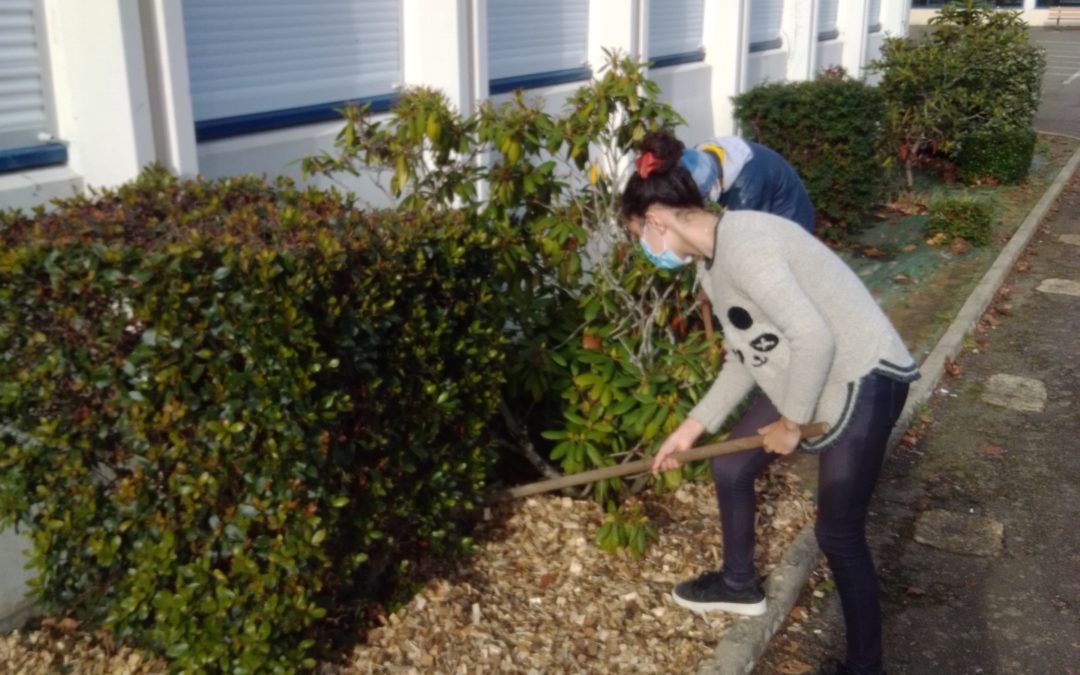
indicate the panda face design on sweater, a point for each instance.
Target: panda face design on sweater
{"x":761,"y":344}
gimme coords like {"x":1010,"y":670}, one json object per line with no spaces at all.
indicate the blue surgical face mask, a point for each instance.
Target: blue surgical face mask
{"x":665,"y":259}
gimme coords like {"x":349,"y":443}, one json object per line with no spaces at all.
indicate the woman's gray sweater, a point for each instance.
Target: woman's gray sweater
{"x":798,"y":323}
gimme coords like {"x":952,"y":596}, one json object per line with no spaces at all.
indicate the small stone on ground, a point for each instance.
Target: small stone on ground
{"x":1061,"y":286}
{"x":1017,"y":393}
{"x":962,"y":533}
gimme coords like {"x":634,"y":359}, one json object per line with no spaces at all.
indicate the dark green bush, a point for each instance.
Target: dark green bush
{"x":829,"y":129}
{"x":998,"y":156}
{"x":962,"y":217}
{"x":229,"y":408}
{"x":977,"y":70}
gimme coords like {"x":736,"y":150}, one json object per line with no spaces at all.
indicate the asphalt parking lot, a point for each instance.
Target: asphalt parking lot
{"x":1060,"y":108}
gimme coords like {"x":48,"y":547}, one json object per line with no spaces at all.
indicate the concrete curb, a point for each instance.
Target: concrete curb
{"x":12,"y":618}
{"x":741,"y":647}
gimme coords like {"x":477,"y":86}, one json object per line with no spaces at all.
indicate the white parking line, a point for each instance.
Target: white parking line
{"x":1071,"y":78}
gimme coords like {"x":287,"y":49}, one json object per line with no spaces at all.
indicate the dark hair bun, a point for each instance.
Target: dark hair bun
{"x":664,"y":147}
{"x":669,"y":182}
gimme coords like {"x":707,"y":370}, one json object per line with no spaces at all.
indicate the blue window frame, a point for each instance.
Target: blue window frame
{"x":675,"y":32}
{"x":765,"y":20}
{"x":828,"y":16}
{"x":26,"y":140}
{"x":286,"y":63}
{"x":536,"y":44}
{"x":33,"y":157}
{"x":873,"y":17}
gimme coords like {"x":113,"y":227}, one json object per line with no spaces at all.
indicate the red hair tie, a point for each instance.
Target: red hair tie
{"x":646,"y":164}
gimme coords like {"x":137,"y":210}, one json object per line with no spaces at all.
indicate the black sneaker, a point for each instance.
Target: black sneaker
{"x":709,"y":593}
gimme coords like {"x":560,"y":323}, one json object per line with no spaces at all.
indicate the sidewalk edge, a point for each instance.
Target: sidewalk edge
{"x":740,"y":648}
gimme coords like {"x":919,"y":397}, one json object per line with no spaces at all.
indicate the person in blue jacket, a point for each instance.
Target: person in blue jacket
{"x":743,"y":175}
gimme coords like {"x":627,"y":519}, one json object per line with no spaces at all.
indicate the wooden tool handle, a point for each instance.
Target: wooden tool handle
{"x":645,"y":464}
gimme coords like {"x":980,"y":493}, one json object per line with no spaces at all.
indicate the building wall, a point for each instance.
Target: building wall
{"x":118,"y":77}
{"x":130,"y":103}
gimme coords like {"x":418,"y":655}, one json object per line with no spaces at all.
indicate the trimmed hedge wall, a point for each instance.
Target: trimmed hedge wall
{"x":227,"y":407}
{"x":1002,"y":157}
{"x":829,"y":129}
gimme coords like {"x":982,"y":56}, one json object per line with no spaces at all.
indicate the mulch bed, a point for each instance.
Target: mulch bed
{"x":539,"y":596}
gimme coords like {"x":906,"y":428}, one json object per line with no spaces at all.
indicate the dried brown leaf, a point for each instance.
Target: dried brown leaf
{"x":793,"y":667}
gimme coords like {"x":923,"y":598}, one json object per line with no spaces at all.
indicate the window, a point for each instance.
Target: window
{"x":675,"y":28}
{"x":827,"y":15}
{"x":765,"y":17}
{"x":25,"y":116}
{"x":263,"y":64}
{"x":536,"y":44}
{"x":873,"y":18}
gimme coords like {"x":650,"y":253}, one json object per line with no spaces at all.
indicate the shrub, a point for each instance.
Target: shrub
{"x":606,"y":354}
{"x":829,"y":130}
{"x":228,"y":407}
{"x":975,"y":71}
{"x":1000,"y":156}
{"x":962,"y":217}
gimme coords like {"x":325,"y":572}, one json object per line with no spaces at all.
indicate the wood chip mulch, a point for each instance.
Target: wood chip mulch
{"x":538,"y":597}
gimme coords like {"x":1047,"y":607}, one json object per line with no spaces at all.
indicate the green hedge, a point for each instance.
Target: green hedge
{"x":995,"y":156}
{"x":830,"y":131}
{"x":230,"y":407}
{"x":962,"y":217}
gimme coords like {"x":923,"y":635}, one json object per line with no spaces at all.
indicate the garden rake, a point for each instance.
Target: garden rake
{"x":645,"y":464}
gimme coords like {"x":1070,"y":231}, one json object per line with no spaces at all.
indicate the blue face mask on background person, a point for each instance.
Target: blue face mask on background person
{"x":666,"y":259}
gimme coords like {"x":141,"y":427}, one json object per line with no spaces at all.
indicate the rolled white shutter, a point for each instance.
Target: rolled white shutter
{"x":765,"y":17}
{"x":531,"y":37}
{"x":827,"y":18}
{"x":873,"y":20}
{"x":675,"y":27}
{"x":23,"y":115}
{"x":257,"y":56}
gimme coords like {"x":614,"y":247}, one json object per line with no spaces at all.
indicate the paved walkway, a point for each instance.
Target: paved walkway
{"x":975,"y":525}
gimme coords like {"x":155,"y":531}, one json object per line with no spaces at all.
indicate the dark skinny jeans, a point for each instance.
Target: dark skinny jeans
{"x":847,"y":473}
